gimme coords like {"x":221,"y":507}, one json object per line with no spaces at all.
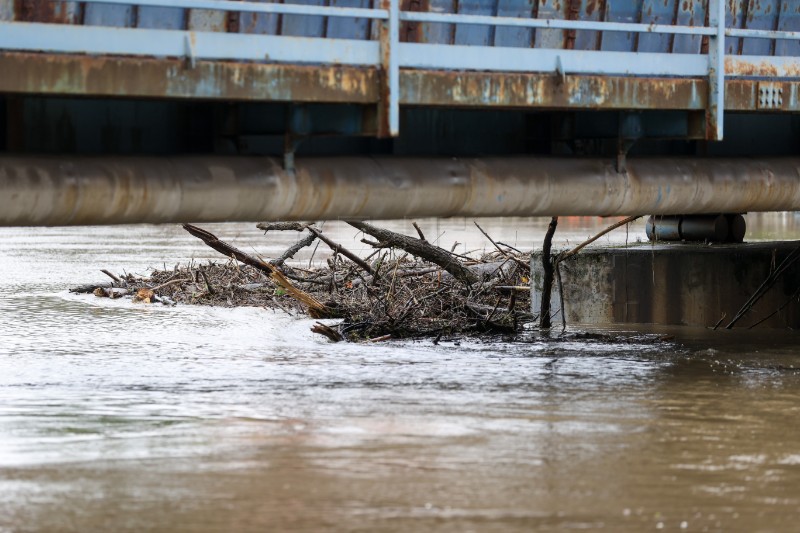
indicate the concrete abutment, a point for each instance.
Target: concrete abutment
{"x":675,"y":284}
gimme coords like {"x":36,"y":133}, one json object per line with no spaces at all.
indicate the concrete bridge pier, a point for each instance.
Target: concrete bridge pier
{"x":689,"y":284}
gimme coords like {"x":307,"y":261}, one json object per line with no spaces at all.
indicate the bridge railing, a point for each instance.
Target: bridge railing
{"x":389,"y":54}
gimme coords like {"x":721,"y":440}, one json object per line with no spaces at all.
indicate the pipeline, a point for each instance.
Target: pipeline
{"x":729,"y":228}
{"x":62,"y":190}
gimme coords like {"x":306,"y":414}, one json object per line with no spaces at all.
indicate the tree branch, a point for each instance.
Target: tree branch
{"x":421,"y":249}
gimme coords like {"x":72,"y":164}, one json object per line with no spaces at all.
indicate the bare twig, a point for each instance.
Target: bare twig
{"x":112,"y":276}
{"x":327,"y":331}
{"x":419,"y":232}
{"x":342,"y":250}
{"x":296,"y":247}
{"x":584,"y":244}
{"x":521,"y":263}
{"x":765,"y":286}
{"x":778,"y":310}
{"x":283,"y":226}
{"x":561,"y":296}
{"x":168,"y":283}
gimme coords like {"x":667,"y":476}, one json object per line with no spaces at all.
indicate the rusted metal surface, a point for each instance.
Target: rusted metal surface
{"x":69,"y":191}
{"x":737,"y":66}
{"x":129,"y":77}
{"x":547,"y":91}
{"x":46,"y":11}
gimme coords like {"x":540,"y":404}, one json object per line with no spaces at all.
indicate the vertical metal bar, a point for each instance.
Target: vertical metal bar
{"x":716,"y":71}
{"x":389,"y":104}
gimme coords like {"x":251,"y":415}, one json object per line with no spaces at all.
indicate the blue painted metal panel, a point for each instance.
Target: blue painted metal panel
{"x":516,"y":37}
{"x":761,"y":15}
{"x":621,"y":12}
{"x":261,"y":23}
{"x":690,"y":13}
{"x":734,"y":18}
{"x":789,"y":20}
{"x":300,"y":26}
{"x":206,"y":20}
{"x":7,"y":10}
{"x":471,"y":34}
{"x":109,"y":15}
{"x":438,"y":33}
{"x":657,"y":12}
{"x":349,"y":28}
{"x":161,"y":18}
{"x":588,"y":40}
{"x":551,"y":9}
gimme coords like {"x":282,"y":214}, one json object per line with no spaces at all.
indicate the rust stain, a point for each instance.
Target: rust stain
{"x":169,"y":78}
{"x":46,"y":11}
{"x":29,"y":73}
{"x":738,"y":67}
{"x":573,"y":13}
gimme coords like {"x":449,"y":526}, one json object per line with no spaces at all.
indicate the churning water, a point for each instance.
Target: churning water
{"x":123,"y":417}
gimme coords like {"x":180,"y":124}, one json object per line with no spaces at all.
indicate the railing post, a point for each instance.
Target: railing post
{"x":716,"y":71}
{"x":389,"y":103}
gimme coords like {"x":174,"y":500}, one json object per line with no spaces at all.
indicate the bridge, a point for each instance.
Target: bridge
{"x":119,"y":111}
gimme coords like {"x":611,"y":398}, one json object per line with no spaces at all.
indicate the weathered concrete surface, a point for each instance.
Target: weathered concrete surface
{"x":676,"y":283}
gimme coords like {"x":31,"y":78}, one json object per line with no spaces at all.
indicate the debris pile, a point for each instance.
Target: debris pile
{"x":407,"y":288}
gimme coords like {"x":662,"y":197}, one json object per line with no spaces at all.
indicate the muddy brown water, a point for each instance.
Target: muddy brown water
{"x":123,"y":417}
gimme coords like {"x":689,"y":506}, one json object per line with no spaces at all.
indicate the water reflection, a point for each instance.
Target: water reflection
{"x":122,"y":417}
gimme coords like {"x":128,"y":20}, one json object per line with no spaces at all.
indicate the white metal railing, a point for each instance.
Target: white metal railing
{"x":390,"y":55}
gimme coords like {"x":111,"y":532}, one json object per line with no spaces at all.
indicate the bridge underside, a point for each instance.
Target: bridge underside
{"x":176,"y":110}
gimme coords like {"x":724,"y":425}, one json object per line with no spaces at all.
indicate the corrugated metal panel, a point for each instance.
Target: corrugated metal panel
{"x":206,"y":20}
{"x":109,"y":15}
{"x":516,"y":37}
{"x":349,"y":28}
{"x":551,"y":9}
{"x":589,"y":10}
{"x":46,"y":11}
{"x":761,"y":15}
{"x":789,"y":20}
{"x":734,"y":18}
{"x":7,"y":10}
{"x":621,"y":12}
{"x":260,"y":23}
{"x":690,"y":13}
{"x":437,"y":33}
{"x":657,"y":12}
{"x":161,"y":18}
{"x":300,"y":26}
{"x":473,"y":34}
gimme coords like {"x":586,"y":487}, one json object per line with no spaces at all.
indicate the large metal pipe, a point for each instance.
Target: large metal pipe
{"x":115,"y":190}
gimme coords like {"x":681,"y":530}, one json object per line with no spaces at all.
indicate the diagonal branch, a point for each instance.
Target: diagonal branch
{"x":421,"y":249}
{"x":315,"y":307}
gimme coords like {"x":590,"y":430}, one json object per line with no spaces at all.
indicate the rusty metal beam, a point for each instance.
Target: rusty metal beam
{"x":72,"y":191}
{"x":73,"y":75}
{"x":537,"y":90}
{"x":76,"y":75}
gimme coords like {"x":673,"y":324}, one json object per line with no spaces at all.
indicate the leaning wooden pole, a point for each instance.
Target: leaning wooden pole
{"x":547,"y":282}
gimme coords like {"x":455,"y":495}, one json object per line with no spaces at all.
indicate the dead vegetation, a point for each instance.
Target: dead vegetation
{"x":406,"y":288}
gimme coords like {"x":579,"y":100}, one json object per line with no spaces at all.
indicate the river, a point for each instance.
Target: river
{"x":121,"y":417}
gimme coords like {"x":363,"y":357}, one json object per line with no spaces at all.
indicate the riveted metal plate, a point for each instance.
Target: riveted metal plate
{"x":770,"y":95}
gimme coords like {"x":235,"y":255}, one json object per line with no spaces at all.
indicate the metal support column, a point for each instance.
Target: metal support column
{"x":389,"y":104}
{"x":716,"y":71}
